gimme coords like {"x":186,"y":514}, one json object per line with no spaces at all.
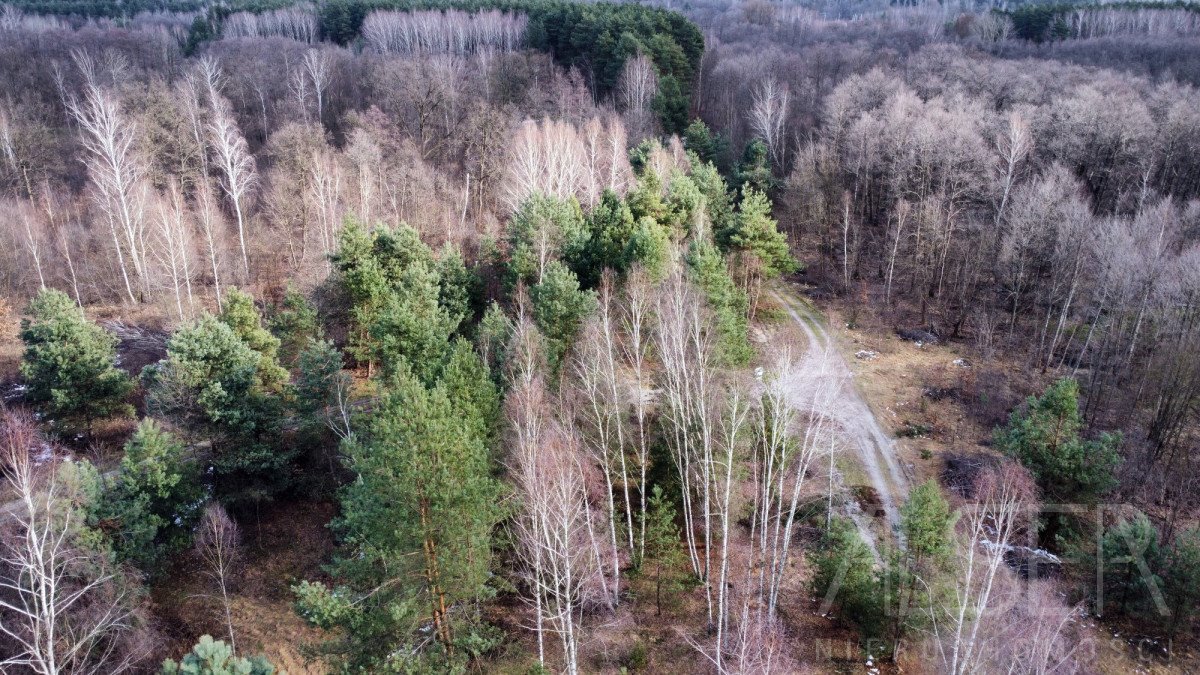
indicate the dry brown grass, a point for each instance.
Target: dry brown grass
{"x":10,"y":341}
{"x":289,"y":543}
{"x":929,"y":403}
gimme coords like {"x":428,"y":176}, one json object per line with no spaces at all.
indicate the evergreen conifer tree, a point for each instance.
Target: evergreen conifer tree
{"x":665,"y":559}
{"x":559,"y":308}
{"x":69,"y":365}
{"x":421,"y":510}
{"x":1045,"y":438}
{"x":154,"y":499}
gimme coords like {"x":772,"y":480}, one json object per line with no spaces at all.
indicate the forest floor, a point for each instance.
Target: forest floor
{"x":288,"y":543}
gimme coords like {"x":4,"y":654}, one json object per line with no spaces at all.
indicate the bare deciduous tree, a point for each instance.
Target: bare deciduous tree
{"x":1013,"y":145}
{"x":989,"y":525}
{"x":768,"y":117}
{"x":636,"y":324}
{"x":35,"y":235}
{"x":555,"y":536}
{"x":117,"y":172}
{"x":556,"y":159}
{"x":796,"y":426}
{"x":603,"y":413}
{"x":444,"y":32}
{"x":317,"y":66}
{"x":298,"y":23}
{"x":63,"y":606}
{"x":174,"y":249}
{"x":325,"y":192}
{"x":218,"y":543}
{"x":637,"y":87}
{"x":687,"y":383}
{"x":235,"y":164}
{"x":210,"y":222}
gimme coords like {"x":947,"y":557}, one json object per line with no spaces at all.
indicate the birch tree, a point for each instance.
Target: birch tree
{"x":796,"y":426}
{"x":560,"y":559}
{"x":118,"y":174}
{"x":637,"y":87}
{"x":235,"y":164}
{"x":732,"y":422}
{"x":988,"y":527}
{"x":1013,"y":144}
{"x":35,"y":237}
{"x":174,"y":248}
{"x":210,"y":222}
{"x":218,"y":542}
{"x":325,"y":186}
{"x":635,"y":348}
{"x":64,"y":608}
{"x":318,"y":65}
{"x":606,"y":409}
{"x":686,"y":381}
{"x":768,"y":117}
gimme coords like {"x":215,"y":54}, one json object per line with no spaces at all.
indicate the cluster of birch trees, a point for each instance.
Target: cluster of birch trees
{"x":298,"y":22}
{"x":646,"y":371}
{"x":153,"y":236}
{"x":449,"y":32}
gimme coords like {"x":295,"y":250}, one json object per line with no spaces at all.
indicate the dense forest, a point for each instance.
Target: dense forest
{"x":522,"y":336}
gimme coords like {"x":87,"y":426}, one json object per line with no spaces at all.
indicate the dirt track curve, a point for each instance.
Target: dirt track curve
{"x":874,"y":448}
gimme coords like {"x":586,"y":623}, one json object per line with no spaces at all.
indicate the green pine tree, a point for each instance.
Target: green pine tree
{"x":685,"y":203}
{"x":413,"y":329}
{"x":458,"y":286}
{"x":154,"y":499}
{"x":664,"y":558}
{"x":416,"y":529}
{"x":214,"y":657}
{"x":1181,"y":581}
{"x":469,"y":384}
{"x":544,"y":229}
{"x":649,"y":246}
{"x":295,"y":324}
{"x":717,"y":201}
{"x":363,"y":280}
{"x":671,"y":104}
{"x":207,"y":379}
{"x":1044,"y":437}
{"x":559,"y":308}
{"x":210,"y":383}
{"x":709,"y":147}
{"x":371,"y":267}
{"x":646,"y":200}
{"x":728,"y":302}
{"x":755,"y":232}
{"x":611,"y":225}
{"x":69,"y":365}
{"x":928,"y":524}
{"x":845,"y":567}
{"x":321,"y":386}
{"x":491,"y":339}
{"x":754,"y":169}
{"x":242,"y":316}
{"x":913,"y":576}
{"x":1127,"y":546}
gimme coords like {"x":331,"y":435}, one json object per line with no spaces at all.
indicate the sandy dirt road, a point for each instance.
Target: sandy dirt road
{"x":872,"y":447}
